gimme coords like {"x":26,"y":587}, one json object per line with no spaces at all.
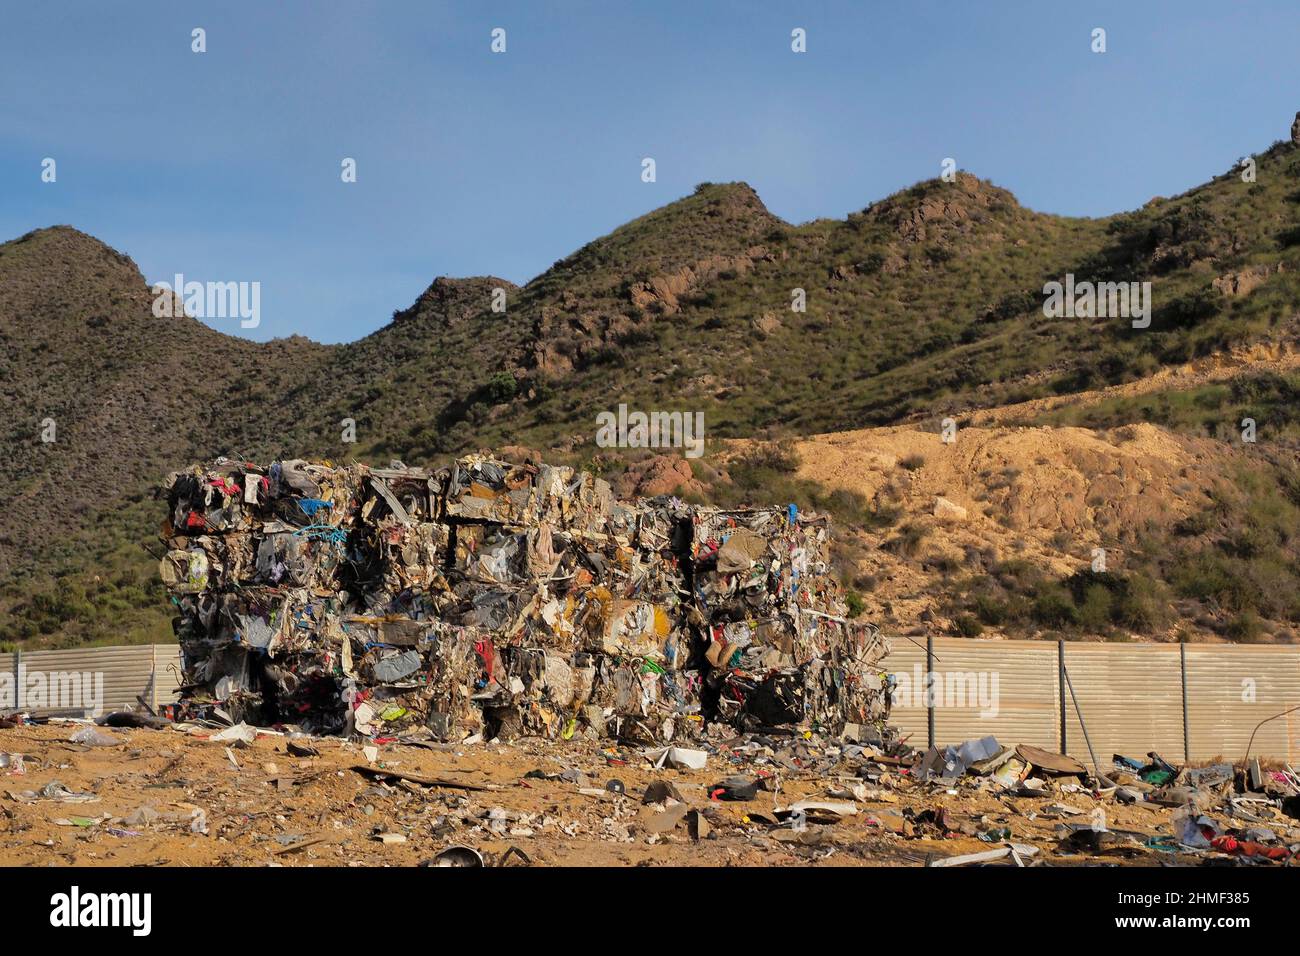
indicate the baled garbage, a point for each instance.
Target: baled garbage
{"x":507,"y":599}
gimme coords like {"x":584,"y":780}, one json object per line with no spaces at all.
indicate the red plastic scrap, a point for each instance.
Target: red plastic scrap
{"x":486,"y":652}
{"x":225,"y":486}
{"x":1229,"y":844}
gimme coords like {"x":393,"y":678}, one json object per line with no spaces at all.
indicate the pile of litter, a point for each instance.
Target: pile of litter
{"x":1219,"y":809}
{"x":503,"y":599}
{"x":191,"y":793}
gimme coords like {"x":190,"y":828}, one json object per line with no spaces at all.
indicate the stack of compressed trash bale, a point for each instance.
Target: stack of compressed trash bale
{"x":511,"y":599}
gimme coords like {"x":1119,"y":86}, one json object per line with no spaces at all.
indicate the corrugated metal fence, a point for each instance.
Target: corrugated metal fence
{"x":1188,"y":702}
{"x":1131,"y":695}
{"x":72,"y":681}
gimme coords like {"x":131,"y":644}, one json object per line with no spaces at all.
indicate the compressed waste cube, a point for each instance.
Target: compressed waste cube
{"x":507,"y":599}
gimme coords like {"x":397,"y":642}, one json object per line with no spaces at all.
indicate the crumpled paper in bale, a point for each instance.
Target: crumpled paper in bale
{"x":505,"y":599}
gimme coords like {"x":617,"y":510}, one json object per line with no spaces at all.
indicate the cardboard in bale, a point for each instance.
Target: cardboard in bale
{"x":504,"y":599}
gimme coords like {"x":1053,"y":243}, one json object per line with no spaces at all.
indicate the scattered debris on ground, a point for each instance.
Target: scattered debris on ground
{"x":173,"y":797}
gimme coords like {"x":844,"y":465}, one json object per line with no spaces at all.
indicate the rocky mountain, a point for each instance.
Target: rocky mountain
{"x":925,"y":306}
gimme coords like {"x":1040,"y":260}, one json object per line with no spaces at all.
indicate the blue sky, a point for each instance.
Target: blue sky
{"x":226,"y":165}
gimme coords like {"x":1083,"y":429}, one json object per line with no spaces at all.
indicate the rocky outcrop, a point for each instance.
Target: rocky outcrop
{"x":946,"y":510}
{"x":663,"y":293}
{"x":1246,"y":281}
{"x":937,"y":210}
{"x":660,"y":475}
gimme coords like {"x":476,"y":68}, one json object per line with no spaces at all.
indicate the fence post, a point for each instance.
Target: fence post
{"x":1060,"y":687}
{"x":1187,"y":738}
{"x":929,"y":692}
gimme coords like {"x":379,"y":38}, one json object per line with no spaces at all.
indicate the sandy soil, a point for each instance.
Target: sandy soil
{"x":1045,"y":495}
{"x":276,"y":809}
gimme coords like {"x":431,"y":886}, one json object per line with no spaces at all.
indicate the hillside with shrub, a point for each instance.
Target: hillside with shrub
{"x":923,"y":306}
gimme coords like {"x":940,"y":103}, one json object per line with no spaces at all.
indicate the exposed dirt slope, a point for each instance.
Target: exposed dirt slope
{"x":1026,"y":506}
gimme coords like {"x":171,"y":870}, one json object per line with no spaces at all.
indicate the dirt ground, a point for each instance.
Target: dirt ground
{"x":260,"y":806}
